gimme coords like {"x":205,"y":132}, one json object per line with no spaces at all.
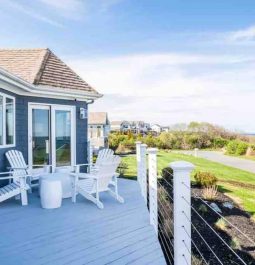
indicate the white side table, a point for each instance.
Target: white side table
{"x":65,"y":180}
{"x":50,"y":192}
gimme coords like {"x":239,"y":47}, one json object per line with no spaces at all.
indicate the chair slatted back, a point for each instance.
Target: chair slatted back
{"x":106,"y":172}
{"x":104,"y":155}
{"x":17,"y":163}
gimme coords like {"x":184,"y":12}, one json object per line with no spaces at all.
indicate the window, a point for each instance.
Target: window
{"x":98,"y":131}
{"x":7,"y":120}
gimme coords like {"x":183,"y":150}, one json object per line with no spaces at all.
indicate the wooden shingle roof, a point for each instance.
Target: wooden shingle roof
{"x":98,"y":118}
{"x":42,"y":67}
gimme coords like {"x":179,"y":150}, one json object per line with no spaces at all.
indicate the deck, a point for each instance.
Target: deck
{"x":80,"y":233}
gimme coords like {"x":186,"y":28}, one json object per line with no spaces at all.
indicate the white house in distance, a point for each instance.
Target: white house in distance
{"x":156,"y":128}
{"x":121,"y":126}
{"x":98,"y":129}
{"x":133,"y":126}
{"x":165,"y":129}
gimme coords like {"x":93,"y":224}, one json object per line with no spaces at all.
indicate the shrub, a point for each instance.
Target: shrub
{"x":122,"y":168}
{"x":210,"y":193}
{"x":235,"y":244}
{"x":202,"y":208}
{"x":242,"y":148}
{"x":236,"y":147}
{"x":232,"y":147}
{"x":205,"y":179}
{"x":219,"y":142}
{"x":221,"y":224}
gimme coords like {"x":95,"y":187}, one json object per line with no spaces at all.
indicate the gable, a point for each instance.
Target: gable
{"x":42,"y":68}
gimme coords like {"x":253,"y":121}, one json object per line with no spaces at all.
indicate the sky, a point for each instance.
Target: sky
{"x":161,"y":61}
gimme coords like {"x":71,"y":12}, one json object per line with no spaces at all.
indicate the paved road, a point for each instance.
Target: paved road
{"x":219,"y":157}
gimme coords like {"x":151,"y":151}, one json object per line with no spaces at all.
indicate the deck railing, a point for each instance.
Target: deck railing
{"x":183,"y":231}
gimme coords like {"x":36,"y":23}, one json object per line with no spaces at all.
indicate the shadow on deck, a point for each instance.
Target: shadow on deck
{"x":80,"y":233}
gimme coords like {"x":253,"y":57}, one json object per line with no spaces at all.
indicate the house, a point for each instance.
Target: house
{"x":156,"y":128}
{"x":121,"y":126}
{"x":43,"y":108}
{"x":98,"y":129}
{"x":132,"y":126}
{"x":165,"y":129}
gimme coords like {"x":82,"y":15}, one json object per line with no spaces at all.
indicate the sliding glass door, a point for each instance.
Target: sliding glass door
{"x":40,"y":135}
{"x":52,"y":135}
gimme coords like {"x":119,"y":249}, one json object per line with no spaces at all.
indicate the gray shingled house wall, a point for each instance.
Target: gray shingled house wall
{"x":22,"y":127}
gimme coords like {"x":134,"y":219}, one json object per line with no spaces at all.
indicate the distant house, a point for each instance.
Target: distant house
{"x":135,"y":127}
{"x":121,"y":126}
{"x":165,"y":129}
{"x":156,"y":128}
{"x":98,"y":129}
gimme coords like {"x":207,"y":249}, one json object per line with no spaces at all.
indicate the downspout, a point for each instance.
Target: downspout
{"x":91,"y":102}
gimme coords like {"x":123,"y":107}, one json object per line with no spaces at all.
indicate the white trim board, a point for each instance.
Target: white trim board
{"x":4,"y":121}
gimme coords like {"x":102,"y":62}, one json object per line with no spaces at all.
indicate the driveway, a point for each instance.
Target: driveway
{"x":219,"y":157}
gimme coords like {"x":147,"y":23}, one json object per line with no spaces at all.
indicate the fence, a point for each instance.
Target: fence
{"x":181,"y":219}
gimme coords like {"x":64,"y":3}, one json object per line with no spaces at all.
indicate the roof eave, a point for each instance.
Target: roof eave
{"x":48,"y":91}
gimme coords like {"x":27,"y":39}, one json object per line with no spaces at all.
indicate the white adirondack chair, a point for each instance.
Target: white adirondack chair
{"x":90,"y":185}
{"x":19,"y":166}
{"x":17,"y":186}
{"x":103,"y":156}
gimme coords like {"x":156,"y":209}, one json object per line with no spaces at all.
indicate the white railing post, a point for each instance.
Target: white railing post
{"x":196,"y":152}
{"x":138,"y":159}
{"x":182,"y":212}
{"x":143,"y":171}
{"x":153,"y":196}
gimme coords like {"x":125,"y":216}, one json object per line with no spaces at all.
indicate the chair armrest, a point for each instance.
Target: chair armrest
{"x":19,"y":168}
{"x":83,"y":176}
{"x":11,"y":177}
{"x":4,"y":178}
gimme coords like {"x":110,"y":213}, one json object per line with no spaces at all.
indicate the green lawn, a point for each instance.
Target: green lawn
{"x":228,"y":177}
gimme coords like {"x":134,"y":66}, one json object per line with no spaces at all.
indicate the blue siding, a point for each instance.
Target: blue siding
{"x":22,"y":127}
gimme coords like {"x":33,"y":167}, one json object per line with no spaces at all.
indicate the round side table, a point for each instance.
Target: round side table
{"x":50,"y":192}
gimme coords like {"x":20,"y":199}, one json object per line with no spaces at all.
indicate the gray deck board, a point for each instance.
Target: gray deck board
{"x":80,"y":233}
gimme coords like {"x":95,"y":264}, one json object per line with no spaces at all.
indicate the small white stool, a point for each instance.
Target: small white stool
{"x":50,"y":192}
{"x":65,"y":179}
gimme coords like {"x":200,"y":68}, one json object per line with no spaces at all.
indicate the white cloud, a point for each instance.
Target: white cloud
{"x":247,"y":34}
{"x":73,"y":9}
{"x":171,"y":87}
{"x":32,"y":13}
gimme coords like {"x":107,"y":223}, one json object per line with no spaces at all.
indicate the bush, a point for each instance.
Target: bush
{"x":205,"y":179}
{"x":242,"y":148}
{"x":122,"y":168}
{"x":219,"y":142}
{"x":236,"y":147}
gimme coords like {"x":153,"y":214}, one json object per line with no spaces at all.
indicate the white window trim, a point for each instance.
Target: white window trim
{"x":4,"y":145}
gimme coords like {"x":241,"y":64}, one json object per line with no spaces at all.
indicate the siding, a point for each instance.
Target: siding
{"x":22,"y":127}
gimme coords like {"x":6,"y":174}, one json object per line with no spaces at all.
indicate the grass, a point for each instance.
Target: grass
{"x":228,"y":177}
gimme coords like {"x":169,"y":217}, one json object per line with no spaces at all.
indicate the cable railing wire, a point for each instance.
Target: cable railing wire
{"x":197,"y":197}
{"x":165,"y":213}
{"x":167,"y":182}
{"x":196,"y":247}
{"x":166,"y":247}
{"x":170,"y":230}
{"x":223,"y":241}
{"x":192,"y":257}
{"x":166,"y":191}
{"x":203,"y":239}
{"x":225,"y":219}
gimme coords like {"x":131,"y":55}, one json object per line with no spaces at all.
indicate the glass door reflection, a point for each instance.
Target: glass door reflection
{"x":40,"y":136}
